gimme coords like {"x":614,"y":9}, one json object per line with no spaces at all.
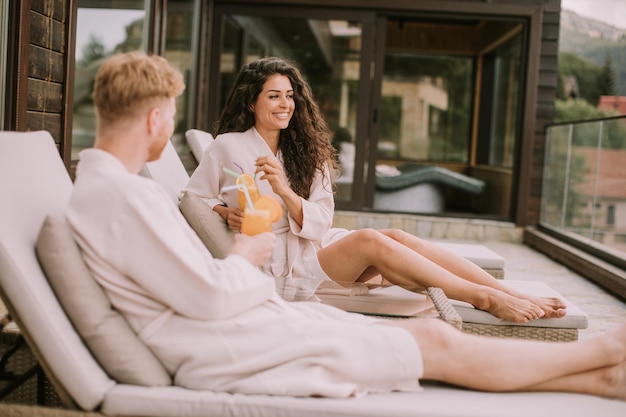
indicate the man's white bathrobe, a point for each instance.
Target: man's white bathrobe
{"x":219,"y":324}
{"x":294,"y":262}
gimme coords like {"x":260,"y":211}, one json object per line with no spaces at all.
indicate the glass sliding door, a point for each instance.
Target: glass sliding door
{"x":448,"y":129}
{"x":328,"y":48}
{"x":181,"y":45}
{"x":425,"y":108}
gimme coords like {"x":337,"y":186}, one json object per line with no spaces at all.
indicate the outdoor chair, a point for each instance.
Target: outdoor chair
{"x":419,"y":188}
{"x":35,"y":188}
{"x":198,"y":140}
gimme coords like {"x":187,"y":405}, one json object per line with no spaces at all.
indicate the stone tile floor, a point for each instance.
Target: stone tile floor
{"x":604,"y":310}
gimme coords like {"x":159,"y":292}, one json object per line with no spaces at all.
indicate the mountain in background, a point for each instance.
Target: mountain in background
{"x":594,"y":41}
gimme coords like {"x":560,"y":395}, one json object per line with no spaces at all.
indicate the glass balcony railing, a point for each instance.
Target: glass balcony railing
{"x":584,"y":185}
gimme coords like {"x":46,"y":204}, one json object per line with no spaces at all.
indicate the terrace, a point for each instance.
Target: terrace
{"x":578,"y":245}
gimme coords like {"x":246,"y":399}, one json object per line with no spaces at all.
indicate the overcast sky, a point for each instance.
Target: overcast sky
{"x":107,"y":25}
{"x":609,"y":11}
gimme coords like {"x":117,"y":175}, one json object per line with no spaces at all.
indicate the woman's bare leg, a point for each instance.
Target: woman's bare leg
{"x":365,"y":252}
{"x":553,"y":307}
{"x":593,"y":366}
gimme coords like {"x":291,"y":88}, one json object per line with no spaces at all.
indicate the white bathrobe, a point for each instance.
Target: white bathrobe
{"x":294,"y":262}
{"x":219,"y":324}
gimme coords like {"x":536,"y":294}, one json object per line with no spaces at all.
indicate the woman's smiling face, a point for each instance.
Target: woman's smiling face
{"x":274,"y":106}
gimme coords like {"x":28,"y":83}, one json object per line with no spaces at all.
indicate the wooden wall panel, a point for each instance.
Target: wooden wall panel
{"x":43,"y":121}
{"x":546,"y":94}
{"x":44,"y":96}
{"x":45,"y":64}
{"x":47,"y":74}
{"x":47,"y":32}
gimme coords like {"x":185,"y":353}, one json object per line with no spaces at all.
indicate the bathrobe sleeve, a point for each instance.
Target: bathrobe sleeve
{"x":317,"y":211}
{"x":148,"y":242}
{"x":236,"y":152}
{"x":199,"y":286}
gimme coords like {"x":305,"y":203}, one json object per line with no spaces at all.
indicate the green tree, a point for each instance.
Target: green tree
{"x":92,"y":51}
{"x":586,"y":72}
{"x":560,"y":87}
{"x":607,"y":81}
{"x":586,"y":134}
{"x":577,"y":109}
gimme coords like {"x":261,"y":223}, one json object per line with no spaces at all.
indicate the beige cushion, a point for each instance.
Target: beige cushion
{"x":207,"y":224}
{"x":107,"y":334}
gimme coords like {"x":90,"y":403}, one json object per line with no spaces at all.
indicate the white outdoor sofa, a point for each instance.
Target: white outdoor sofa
{"x":34,"y":184}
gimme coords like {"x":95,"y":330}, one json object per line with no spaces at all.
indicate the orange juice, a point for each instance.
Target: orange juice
{"x":252,"y":190}
{"x":255,"y":222}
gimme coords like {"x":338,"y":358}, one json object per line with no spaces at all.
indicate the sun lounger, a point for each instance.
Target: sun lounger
{"x":34,"y":184}
{"x":419,"y":188}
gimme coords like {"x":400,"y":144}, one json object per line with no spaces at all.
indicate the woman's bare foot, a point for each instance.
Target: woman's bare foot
{"x":552,"y":306}
{"x":508,"y":307}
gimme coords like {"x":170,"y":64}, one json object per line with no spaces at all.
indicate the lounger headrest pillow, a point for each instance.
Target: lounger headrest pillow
{"x":207,"y":224}
{"x":105,"y":331}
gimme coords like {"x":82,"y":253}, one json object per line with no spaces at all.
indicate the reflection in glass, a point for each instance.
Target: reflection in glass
{"x":426,"y":114}
{"x":327,"y":52}
{"x":426,"y":107}
{"x":505,"y":84}
{"x":100,"y":32}
{"x":584,"y":186}
{"x":179,"y":46}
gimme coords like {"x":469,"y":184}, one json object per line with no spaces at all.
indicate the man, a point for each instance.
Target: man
{"x":219,"y":324}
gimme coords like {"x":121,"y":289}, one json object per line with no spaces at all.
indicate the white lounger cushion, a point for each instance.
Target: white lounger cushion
{"x":435,"y":401}
{"x":475,"y":253}
{"x":198,"y":140}
{"x":168,"y":171}
{"x":575,"y":318}
{"x":33,"y":184}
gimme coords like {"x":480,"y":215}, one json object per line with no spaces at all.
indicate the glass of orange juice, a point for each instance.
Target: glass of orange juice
{"x":253,"y":190}
{"x":256,"y":221}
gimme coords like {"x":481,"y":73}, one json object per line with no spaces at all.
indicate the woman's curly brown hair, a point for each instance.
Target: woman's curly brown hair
{"x":305,"y":144}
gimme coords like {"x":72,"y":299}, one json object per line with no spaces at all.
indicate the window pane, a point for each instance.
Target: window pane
{"x":584,"y":183}
{"x":426,"y":107}
{"x":180,"y":40}
{"x":103,"y":27}
{"x":505,"y":103}
{"x":425,"y":117}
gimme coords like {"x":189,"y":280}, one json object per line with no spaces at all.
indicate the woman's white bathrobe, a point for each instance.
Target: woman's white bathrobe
{"x":219,"y":324}
{"x":294,"y":262}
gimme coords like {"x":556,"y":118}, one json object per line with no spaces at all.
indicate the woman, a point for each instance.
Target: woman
{"x":272,"y":128}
